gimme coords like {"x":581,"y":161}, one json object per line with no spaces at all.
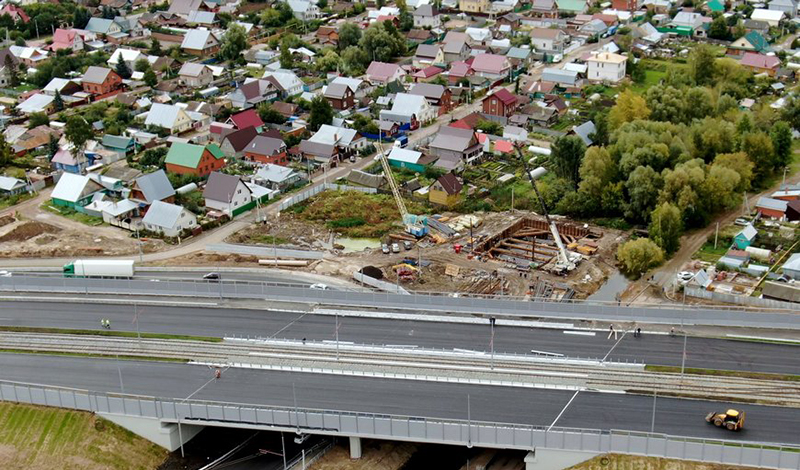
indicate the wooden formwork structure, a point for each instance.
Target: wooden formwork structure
{"x":529,"y":240}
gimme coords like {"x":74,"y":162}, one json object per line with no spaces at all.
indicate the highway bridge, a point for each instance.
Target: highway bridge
{"x":169,"y":402}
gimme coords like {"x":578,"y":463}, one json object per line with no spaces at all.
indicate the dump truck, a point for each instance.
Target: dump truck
{"x":99,"y":268}
{"x":733,"y":420}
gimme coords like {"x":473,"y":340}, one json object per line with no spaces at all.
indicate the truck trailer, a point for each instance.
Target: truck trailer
{"x":99,"y":268}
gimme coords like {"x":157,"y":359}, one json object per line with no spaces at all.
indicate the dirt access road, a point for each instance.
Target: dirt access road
{"x":664,"y":276}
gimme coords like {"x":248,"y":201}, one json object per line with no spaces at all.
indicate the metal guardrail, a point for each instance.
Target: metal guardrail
{"x":264,"y":251}
{"x":405,"y":428}
{"x":668,"y":314}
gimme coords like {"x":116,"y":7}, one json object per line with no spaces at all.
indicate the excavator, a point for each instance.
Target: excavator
{"x":415,"y":224}
{"x":567,"y":260}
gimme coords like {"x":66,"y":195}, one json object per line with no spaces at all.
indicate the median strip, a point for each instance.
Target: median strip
{"x":94,"y":355}
{"x":724,"y":373}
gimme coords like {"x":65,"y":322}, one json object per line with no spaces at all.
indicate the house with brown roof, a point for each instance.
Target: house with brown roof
{"x":438,"y":96}
{"x":491,"y":66}
{"x":340,"y":96}
{"x":327,"y":36}
{"x":100,"y":80}
{"x":544,"y":9}
{"x":501,"y":103}
{"x":286,"y":109}
{"x":234,"y":143}
{"x":455,"y":47}
{"x":195,"y":75}
{"x":457,"y":145}
{"x":227,"y":193}
{"x":446,"y":190}
{"x":548,"y":40}
{"x":418,"y":36}
{"x":253,"y":92}
{"x":427,"y":16}
{"x":263,"y":149}
{"x":427,"y":55}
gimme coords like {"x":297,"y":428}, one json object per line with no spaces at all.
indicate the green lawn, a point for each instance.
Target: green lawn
{"x":710,"y":254}
{"x":7,"y":202}
{"x":74,"y":215}
{"x":41,"y":437}
{"x":651,"y":78}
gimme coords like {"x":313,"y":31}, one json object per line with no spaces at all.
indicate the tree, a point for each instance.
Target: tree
{"x":600,"y":136}
{"x":12,"y":72}
{"x":6,"y":154}
{"x":666,"y":227}
{"x":286,"y":59}
{"x":122,"y":69}
{"x":597,"y":172}
{"x":719,"y":29}
{"x":355,"y":60}
{"x":81,"y":17}
{"x":697,"y":103}
{"x":629,"y":107}
{"x":759,"y":149}
{"x":234,"y":41}
{"x":58,"y":101}
{"x":77,"y":132}
{"x":38,"y":119}
{"x":384,"y":41}
{"x":642,"y":186}
{"x":666,"y":102}
{"x":141,"y":65}
{"x":781,"y":136}
{"x":739,"y":163}
{"x":635,"y":71}
{"x":566,"y":156}
{"x":490,"y":127}
{"x":321,"y":113}
{"x":637,"y":256}
{"x":150,"y":78}
{"x":701,"y":64}
{"x":20,"y":41}
{"x":349,"y":35}
{"x":328,"y":62}
{"x":322,"y":4}
{"x":406,"y":21}
{"x":155,"y":47}
{"x":268,"y":114}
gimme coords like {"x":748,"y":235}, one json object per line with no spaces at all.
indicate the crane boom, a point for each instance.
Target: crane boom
{"x":401,"y":205}
{"x":564,"y":262}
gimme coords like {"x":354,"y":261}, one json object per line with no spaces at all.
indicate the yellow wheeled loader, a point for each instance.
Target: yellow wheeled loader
{"x":733,"y":420}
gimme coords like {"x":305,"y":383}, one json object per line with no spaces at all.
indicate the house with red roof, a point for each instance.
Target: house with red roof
{"x":492,"y":66}
{"x":760,"y":63}
{"x":16,"y":13}
{"x":383,"y":73}
{"x":427,"y":74}
{"x":245,"y":119}
{"x":503,"y":147}
{"x":66,"y":39}
{"x":500,"y":103}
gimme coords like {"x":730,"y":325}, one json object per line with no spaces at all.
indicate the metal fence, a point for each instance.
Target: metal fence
{"x":667,"y":314}
{"x":405,"y":428}
{"x":265,"y":251}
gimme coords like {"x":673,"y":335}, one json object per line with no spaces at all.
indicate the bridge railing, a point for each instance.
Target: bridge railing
{"x":669,"y":314}
{"x":405,"y":428}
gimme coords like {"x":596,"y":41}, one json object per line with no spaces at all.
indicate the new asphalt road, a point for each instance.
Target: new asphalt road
{"x":219,"y":322}
{"x":401,"y":397}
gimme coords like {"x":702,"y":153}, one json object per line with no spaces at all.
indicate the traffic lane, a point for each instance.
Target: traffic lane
{"x":682,"y":417}
{"x":401,"y":397}
{"x":194,"y":275}
{"x":652,"y":349}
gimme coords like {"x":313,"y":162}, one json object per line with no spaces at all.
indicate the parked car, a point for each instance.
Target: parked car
{"x":395,"y":248}
{"x":741,"y":221}
{"x":685,"y":276}
{"x":385,"y":249}
{"x":407,"y":245}
{"x":318,"y":286}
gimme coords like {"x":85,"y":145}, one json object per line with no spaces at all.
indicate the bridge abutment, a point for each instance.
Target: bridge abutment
{"x":166,"y":435}
{"x":555,"y":459}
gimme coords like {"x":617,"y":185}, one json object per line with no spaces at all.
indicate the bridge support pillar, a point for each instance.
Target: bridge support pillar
{"x":164,"y":434}
{"x":355,"y":448}
{"x":555,"y":459}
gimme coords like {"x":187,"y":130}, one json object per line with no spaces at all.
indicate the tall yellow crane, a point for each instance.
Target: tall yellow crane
{"x":415,"y":224}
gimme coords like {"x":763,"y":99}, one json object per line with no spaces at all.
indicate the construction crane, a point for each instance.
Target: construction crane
{"x":566,"y":260}
{"x":415,"y":225}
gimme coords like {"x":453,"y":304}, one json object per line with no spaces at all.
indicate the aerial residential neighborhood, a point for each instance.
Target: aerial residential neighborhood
{"x":395,"y":234}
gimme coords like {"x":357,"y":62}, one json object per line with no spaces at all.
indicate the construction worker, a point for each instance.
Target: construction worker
{"x":217,"y":373}
{"x":612,"y":331}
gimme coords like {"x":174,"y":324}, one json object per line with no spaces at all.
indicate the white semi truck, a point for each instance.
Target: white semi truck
{"x":99,"y":268}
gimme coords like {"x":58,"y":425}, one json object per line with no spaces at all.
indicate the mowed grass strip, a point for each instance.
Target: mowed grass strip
{"x":36,"y":437}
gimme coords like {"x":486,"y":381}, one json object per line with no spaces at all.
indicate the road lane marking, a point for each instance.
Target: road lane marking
{"x":564,"y":409}
{"x":581,"y":333}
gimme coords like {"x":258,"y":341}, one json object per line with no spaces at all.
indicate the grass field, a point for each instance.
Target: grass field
{"x":710,"y":254}
{"x":35,"y":438}
{"x":632,"y":462}
{"x":74,"y":215}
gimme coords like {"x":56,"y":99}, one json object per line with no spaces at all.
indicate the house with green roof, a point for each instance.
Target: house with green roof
{"x":191,"y":159}
{"x":572,"y":6}
{"x":750,"y":42}
{"x":714,"y":6}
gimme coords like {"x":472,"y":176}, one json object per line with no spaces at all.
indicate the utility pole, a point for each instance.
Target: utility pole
{"x":136,"y":319}
{"x":283,"y":449}
{"x":337,"y":335}
{"x":469,"y":424}
{"x":683,"y":356}
{"x":716,"y":235}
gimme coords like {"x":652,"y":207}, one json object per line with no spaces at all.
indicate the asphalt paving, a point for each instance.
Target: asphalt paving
{"x":655,"y":349}
{"x":403,"y":397}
